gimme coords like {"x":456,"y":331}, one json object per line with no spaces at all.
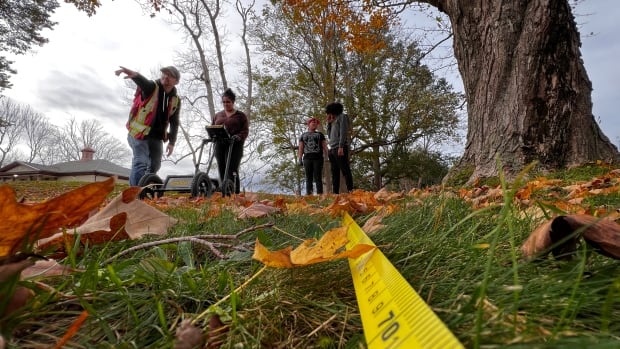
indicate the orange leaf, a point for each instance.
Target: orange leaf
{"x":22,"y":223}
{"x":277,"y":259}
{"x":329,"y":247}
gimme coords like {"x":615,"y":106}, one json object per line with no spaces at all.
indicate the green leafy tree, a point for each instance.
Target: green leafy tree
{"x":399,"y":104}
{"x":21,"y":24}
{"x":390,"y":97}
{"x":529,"y":97}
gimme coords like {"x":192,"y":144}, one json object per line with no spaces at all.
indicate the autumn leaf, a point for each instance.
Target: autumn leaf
{"x":373,"y":224}
{"x":312,"y":251}
{"x":561,"y":234}
{"x":256,"y":210}
{"x":116,"y":232}
{"x":276,"y":259}
{"x":46,"y":268}
{"x":12,"y":265}
{"x":23,"y":223}
{"x":329,"y":247}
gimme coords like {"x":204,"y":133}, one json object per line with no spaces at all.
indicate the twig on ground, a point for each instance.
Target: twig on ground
{"x":199,"y":239}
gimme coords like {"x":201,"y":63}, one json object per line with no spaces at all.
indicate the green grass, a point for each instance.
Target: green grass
{"x":464,"y":262}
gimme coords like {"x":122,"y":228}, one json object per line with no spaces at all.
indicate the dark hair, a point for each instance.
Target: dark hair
{"x":334,"y":108}
{"x":230,"y":94}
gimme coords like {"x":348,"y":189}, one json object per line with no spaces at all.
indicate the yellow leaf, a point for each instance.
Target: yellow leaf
{"x":312,"y":251}
{"x":277,"y":259}
{"x":330,"y":247}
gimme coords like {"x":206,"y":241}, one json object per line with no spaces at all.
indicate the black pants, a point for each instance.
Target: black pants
{"x":314,"y":173}
{"x":340,"y":164}
{"x":221,"y":151}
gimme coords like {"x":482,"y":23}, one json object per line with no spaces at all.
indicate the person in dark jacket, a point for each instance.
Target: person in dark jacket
{"x":238,"y":127}
{"x":153,"y":120}
{"x":338,"y":133}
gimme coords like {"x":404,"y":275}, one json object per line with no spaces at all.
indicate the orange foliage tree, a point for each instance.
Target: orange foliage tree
{"x":360,"y":27}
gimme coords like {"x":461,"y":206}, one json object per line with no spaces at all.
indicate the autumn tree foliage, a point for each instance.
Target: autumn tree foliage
{"x":392,"y":100}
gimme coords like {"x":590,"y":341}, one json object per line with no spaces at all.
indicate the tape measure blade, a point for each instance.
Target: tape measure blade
{"x":393,"y":314}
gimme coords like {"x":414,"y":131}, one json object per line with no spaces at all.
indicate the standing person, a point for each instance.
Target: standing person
{"x":337,"y":130}
{"x":156,"y":106}
{"x":312,"y":145}
{"x":236,"y":123}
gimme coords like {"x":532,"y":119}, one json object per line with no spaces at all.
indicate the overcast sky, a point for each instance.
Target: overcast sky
{"x":73,"y":75}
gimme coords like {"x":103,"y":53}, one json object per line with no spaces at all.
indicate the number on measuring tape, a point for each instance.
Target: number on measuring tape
{"x":393,"y":314}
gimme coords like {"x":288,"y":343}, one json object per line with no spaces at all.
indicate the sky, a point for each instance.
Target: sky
{"x":73,"y":74}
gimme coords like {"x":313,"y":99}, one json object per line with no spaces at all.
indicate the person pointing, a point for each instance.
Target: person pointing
{"x":153,"y":120}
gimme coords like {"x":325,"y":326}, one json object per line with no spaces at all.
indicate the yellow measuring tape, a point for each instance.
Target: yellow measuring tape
{"x":393,"y":314}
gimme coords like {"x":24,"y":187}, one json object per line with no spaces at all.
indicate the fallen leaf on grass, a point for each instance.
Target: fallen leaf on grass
{"x":561,"y":235}
{"x":61,"y":241}
{"x":329,"y":247}
{"x":385,"y":196}
{"x":19,"y":298}
{"x":373,"y":224}
{"x":142,"y":219}
{"x":123,"y":218}
{"x":46,"y":268}
{"x":276,"y":259}
{"x":23,"y":223}
{"x":13,"y":265}
{"x":256,"y":210}
{"x":217,"y":332}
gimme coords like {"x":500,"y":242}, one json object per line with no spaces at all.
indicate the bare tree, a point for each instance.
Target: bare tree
{"x":11,"y":116}
{"x":206,"y":63}
{"x":74,"y":136}
{"x":38,"y":134}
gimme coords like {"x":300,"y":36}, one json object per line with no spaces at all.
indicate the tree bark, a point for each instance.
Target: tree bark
{"x":528,"y":93}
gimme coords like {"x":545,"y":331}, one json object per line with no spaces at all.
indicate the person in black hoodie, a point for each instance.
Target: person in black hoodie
{"x":155,"y":108}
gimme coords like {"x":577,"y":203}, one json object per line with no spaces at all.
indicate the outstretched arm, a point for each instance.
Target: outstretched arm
{"x":129,"y":74}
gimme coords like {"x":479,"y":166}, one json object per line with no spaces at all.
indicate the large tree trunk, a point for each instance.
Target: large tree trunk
{"x":528,"y":94}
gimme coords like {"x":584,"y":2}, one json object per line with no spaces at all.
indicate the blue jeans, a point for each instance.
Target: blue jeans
{"x":147,"y":155}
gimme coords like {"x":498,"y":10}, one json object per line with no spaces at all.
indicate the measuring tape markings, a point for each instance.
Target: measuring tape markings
{"x":393,"y":314}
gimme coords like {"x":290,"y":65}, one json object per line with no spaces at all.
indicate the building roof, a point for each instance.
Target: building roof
{"x":64,"y":169}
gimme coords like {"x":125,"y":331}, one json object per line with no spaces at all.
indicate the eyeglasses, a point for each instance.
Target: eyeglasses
{"x":226,"y":102}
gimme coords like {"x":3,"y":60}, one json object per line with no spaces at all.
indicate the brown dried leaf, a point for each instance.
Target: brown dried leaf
{"x":602,"y":234}
{"x":256,"y":210}
{"x":373,"y":224}
{"x":538,"y":242}
{"x":46,"y":268}
{"x":23,"y":223}
{"x":60,"y":241}
{"x":217,"y":332}
{"x":560,"y":236}
{"x":14,"y":265}
{"x":20,"y":297}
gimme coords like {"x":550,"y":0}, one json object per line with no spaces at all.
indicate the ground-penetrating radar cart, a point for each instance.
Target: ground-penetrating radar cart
{"x":198,"y":184}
